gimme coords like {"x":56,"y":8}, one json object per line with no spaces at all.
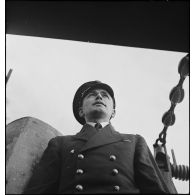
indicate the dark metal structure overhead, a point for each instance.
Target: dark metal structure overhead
{"x":163,"y":25}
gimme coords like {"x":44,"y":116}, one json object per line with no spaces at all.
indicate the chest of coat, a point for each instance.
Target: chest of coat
{"x":121,"y":153}
{"x":99,"y":165}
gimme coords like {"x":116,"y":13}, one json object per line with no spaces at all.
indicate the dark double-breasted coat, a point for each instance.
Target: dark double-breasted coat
{"x":97,"y":162}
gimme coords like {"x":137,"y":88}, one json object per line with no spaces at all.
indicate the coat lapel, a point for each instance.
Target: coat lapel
{"x":86,"y":133}
{"x":104,"y":136}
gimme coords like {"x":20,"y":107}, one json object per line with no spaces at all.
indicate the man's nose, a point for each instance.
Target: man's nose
{"x":99,"y":96}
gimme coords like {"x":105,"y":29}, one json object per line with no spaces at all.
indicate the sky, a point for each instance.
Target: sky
{"x":47,"y":73}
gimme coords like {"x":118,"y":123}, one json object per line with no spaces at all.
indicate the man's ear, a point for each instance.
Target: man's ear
{"x":113,"y":113}
{"x":81,"y":114}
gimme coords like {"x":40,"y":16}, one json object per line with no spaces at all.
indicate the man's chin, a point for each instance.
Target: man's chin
{"x":97,"y":113}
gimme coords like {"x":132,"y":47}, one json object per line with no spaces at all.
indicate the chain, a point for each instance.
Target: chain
{"x":176,"y":96}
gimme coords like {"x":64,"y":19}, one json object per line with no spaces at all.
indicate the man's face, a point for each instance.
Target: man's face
{"x":97,"y":104}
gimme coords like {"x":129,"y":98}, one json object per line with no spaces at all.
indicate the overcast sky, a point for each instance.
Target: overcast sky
{"x":47,"y":72}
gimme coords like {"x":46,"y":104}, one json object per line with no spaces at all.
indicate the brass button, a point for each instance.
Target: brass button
{"x":79,"y":171}
{"x":80,"y":156}
{"x":114,"y":171}
{"x":72,"y":151}
{"x":79,"y":188}
{"x":116,"y":188}
{"x":112,"y":157}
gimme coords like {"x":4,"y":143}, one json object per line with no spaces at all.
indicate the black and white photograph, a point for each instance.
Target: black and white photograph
{"x":97,"y":97}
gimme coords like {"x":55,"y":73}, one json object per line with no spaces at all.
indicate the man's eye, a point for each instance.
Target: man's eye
{"x":91,"y":94}
{"x":105,"y":95}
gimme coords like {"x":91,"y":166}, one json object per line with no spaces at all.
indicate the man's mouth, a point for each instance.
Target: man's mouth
{"x":96,"y":103}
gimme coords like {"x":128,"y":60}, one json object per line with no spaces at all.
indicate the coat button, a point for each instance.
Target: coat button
{"x":79,"y":171}
{"x":114,"y":171}
{"x":112,"y":157}
{"x":80,"y":156}
{"x":72,"y":151}
{"x":116,"y":188}
{"x":79,"y":188}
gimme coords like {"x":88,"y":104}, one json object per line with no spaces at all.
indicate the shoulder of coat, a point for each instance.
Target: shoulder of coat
{"x":129,"y":136}
{"x":63,"y":138}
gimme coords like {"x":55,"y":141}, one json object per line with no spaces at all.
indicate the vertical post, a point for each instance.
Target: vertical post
{"x":173,"y":156}
{"x":8,"y":75}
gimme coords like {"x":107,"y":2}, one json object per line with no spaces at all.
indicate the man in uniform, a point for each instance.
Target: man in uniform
{"x":98,"y":159}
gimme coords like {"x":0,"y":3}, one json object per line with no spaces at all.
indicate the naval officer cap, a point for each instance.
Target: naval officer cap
{"x":82,"y":91}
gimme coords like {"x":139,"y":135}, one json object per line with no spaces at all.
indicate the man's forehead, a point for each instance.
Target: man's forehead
{"x":98,"y":90}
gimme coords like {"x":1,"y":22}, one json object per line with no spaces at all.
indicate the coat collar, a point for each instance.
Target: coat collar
{"x":93,"y":124}
{"x":86,"y":132}
{"x":94,"y":139}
